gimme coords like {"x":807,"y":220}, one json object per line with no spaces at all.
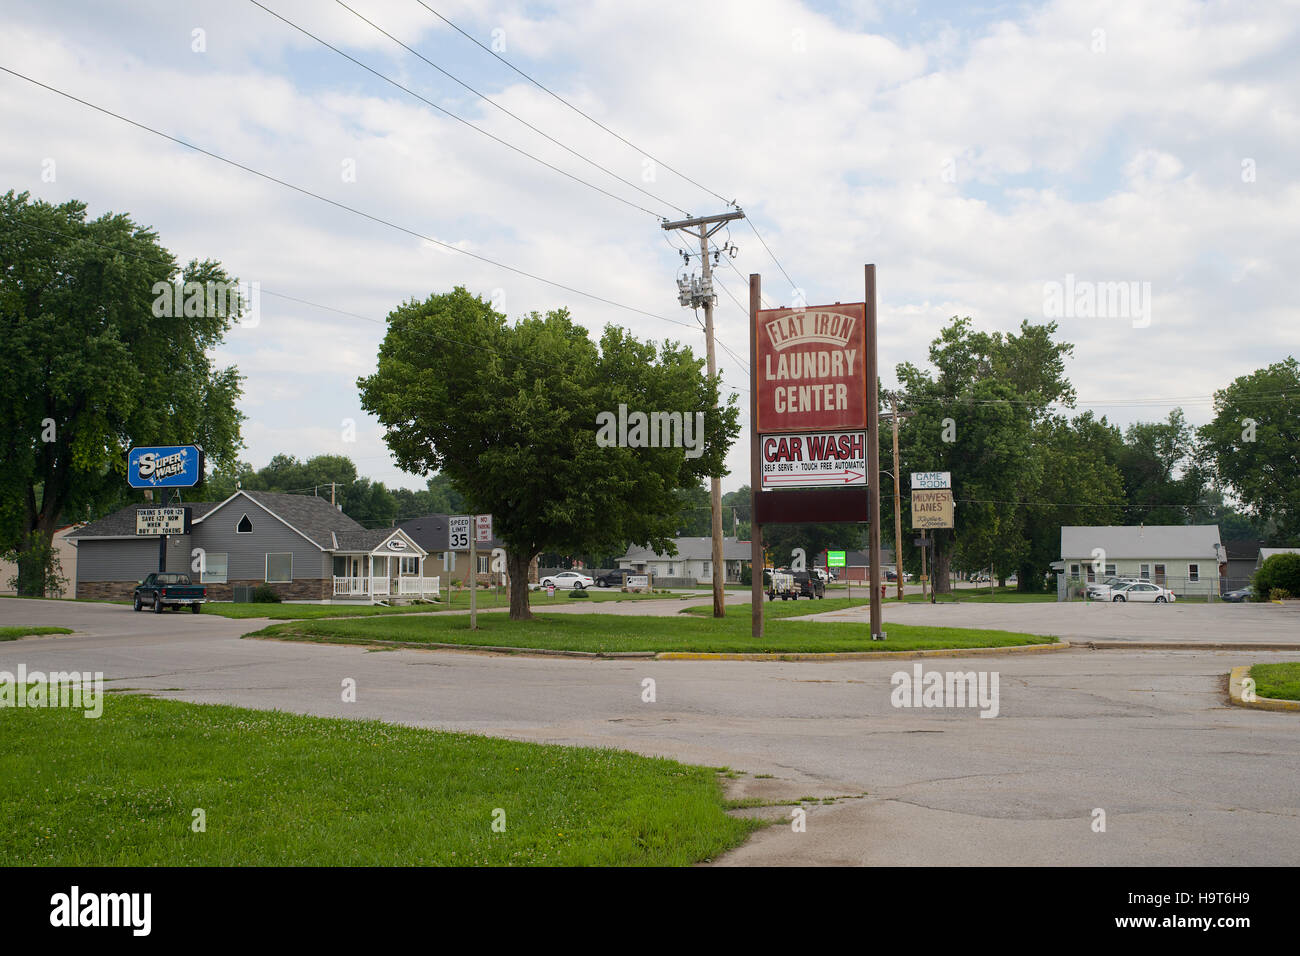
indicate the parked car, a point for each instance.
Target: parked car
{"x":1143,"y":591}
{"x":614,"y":579}
{"x":1104,"y":590}
{"x":809,"y":585}
{"x":1239,"y":595}
{"x":164,"y":589}
{"x":568,"y":579}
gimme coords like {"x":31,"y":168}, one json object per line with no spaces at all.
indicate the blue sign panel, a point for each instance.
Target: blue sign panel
{"x":164,"y":466}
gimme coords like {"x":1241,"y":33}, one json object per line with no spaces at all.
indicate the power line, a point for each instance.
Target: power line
{"x":447,"y":112}
{"x":552,"y":93}
{"x":512,"y":115}
{"x":346,"y":208}
{"x":772,"y":254}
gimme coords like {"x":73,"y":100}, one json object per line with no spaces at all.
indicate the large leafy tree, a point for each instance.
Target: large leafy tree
{"x":508,"y":412}
{"x":88,"y":370}
{"x":1253,"y":444}
{"x":975,"y":415}
{"x":1163,"y":482}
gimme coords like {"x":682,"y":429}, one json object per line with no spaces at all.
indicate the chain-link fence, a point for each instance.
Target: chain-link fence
{"x":1186,"y":588}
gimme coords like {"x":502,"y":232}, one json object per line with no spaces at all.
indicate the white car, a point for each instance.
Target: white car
{"x":1105,"y":590}
{"x":1143,"y":591}
{"x":568,"y":579}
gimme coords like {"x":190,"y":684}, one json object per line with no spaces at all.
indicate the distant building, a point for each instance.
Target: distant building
{"x":694,"y":559}
{"x":66,"y":552}
{"x":1187,"y":559}
{"x":857,"y":565}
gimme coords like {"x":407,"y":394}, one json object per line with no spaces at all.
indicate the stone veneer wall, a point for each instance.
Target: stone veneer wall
{"x":303,"y":589}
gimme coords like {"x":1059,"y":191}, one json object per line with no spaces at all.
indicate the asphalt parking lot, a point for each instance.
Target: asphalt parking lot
{"x":1145,"y":736}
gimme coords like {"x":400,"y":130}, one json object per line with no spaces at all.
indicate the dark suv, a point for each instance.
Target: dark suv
{"x":614,"y":579}
{"x":809,"y":584}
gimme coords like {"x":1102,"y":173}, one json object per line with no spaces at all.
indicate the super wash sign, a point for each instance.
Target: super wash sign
{"x":812,"y":395}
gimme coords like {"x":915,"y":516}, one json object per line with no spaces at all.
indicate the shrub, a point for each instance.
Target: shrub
{"x":1279,"y":594}
{"x":265,"y":594}
{"x":1280,"y":572}
{"x":578,"y":593}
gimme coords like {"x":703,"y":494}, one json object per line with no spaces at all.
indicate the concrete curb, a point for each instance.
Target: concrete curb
{"x":481,"y":648}
{"x":859,"y":655}
{"x":1259,"y":703}
{"x":1185,"y":646}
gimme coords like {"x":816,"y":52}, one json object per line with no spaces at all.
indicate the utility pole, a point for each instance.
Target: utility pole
{"x":873,"y":453}
{"x":693,"y":295}
{"x":331,"y":494}
{"x":898,"y":505}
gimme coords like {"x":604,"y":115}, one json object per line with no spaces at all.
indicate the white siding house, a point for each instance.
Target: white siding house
{"x":1187,"y":559}
{"x":694,"y":559}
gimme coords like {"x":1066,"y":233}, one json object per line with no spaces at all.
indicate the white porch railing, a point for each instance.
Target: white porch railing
{"x":421,"y":587}
{"x":374,"y":588}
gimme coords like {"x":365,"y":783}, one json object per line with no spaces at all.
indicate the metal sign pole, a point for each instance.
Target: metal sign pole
{"x":473,"y":573}
{"x":757,"y":563}
{"x":873,"y":454}
{"x":162,"y":538}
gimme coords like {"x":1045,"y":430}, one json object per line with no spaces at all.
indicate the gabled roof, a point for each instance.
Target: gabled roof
{"x":430,"y":532}
{"x":1138,"y":541}
{"x":1266,"y":553}
{"x":372,"y":539}
{"x":121,"y":523}
{"x":314,"y":518}
{"x":693,"y":549}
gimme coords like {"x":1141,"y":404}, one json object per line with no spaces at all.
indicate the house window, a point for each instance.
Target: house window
{"x":1110,"y":570}
{"x":1074,"y":570}
{"x":1193,"y":572}
{"x":1092,"y":575}
{"x":245,"y":526}
{"x":1144,"y":572}
{"x":214,"y":567}
{"x":484,"y":563}
{"x":340,"y":567}
{"x":708,"y":569}
{"x":279,"y":568}
{"x":409,"y":565}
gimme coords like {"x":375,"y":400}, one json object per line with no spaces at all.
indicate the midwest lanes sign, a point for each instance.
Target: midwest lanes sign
{"x":812,"y":369}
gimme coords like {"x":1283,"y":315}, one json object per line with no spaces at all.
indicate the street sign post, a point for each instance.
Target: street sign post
{"x":458,"y":532}
{"x":482,"y":528}
{"x":814,"y":417}
{"x":164,"y":467}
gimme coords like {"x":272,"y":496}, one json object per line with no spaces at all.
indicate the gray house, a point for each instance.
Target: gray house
{"x":693,"y":560}
{"x":302,"y":547}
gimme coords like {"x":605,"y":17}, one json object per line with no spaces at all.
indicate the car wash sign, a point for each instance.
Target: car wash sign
{"x":812,"y":369}
{"x":164,"y":466}
{"x":814,"y":460}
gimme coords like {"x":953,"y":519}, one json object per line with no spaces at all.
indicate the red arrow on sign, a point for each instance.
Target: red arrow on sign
{"x":843,"y":477}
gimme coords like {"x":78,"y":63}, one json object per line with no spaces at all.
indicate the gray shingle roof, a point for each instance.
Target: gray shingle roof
{"x":314,"y":517}
{"x":694,"y":549}
{"x":1136,"y":541}
{"x":121,"y":523}
{"x":430,"y":533}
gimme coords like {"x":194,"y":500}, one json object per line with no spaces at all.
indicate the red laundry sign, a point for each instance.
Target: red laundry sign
{"x":812,"y":368}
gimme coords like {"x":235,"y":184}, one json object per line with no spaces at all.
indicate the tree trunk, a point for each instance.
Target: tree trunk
{"x":941,"y":580}
{"x":33,"y":563}
{"x":517,"y":568}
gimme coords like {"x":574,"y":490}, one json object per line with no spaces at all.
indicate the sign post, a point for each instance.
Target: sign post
{"x":164,"y":467}
{"x":932,"y":507}
{"x":814,"y":421}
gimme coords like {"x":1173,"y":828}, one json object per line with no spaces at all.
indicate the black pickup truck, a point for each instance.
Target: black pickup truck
{"x":162,"y":590}
{"x":809,"y":584}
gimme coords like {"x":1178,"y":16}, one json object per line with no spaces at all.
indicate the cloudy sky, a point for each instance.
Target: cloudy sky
{"x":977,"y":153}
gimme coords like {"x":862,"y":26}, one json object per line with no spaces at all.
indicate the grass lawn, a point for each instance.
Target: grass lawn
{"x":1278,"y":681}
{"x":13,"y":633}
{"x":686,"y":632}
{"x":459,"y":602}
{"x":281,"y":789}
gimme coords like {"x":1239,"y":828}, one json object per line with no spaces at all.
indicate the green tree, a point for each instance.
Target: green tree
{"x":1253,"y":445}
{"x":88,"y":369}
{"x":510,"y":412}
{"x":1163,"y":481}
{"x":975,"y":416}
